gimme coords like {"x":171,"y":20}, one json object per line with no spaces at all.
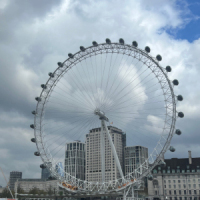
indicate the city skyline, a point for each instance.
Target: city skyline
{"x":37,"y":35}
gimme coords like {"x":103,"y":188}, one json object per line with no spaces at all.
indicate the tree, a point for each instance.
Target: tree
{"x":20,"y":190}
{"x":34,"y":191}
{"x":50,"y":190}
{"x":6,"y":193}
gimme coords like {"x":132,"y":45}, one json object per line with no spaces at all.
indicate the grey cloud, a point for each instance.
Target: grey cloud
{"x":31,"y":46}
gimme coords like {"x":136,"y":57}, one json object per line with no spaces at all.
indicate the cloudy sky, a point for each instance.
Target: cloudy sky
{"x":35,"y":35}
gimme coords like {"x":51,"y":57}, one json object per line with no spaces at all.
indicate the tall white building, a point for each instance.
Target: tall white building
{"x":134,"y":157}
{"x":75,"y":159}
{"x":93,"y":154}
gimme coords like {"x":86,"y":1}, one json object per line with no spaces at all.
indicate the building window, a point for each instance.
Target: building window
{"x":156,"y":193}
{"x":155,"y":171}
{"x":185,"y":198}
{"x":174,"y":186}
{"x":180,"y":198}
{"x":183,"y":171}
{"x":173,"y":171}
{"x":164,"y":171}
{"x":184,"y":191}
{"x":190,"y":192}
{"x":170,"y":192}
{"x":169,"y":181}
{"x":164,"y":181}
{"x":174,"y":181}
{"x":189,"y":185}
{"x":170,"y":198}
{"x":179,"y":181}
{"x":169,"y":186}
{"x":195,"y":192}
{"x":194,"y":185}
{"x":168,"y":171}
{"x":179,"y":191}
{"x":174,"y":191}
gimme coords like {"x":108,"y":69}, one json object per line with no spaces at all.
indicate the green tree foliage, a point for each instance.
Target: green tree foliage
{"x":50,"y":190}
{"x":6,"y":193}
{"x":20,"y":190}
{"x":36,"y":191}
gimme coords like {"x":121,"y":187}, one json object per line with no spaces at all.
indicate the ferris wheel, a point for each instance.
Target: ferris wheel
{"x":102,"y":86}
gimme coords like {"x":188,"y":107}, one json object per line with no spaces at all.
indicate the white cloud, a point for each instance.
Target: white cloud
{"x":32,"y":46}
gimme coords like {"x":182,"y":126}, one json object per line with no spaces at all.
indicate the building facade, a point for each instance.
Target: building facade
{"x":29,"y":184}
{"x":134,"y":157}
{"x":93,"y":154}
{"x":178,"y":180}
{"x":14,"y":176}
{"x":75,"y":159}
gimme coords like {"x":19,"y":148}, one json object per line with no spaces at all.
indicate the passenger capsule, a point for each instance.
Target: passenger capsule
{"x":70,"y":55}
{"x":150,"y":177}
{"x":60,"y":64}
{"x":178,"y":132}
{"x":108,"y":41}
{"x":147,"y":49}
{"x":43,"y":86}
{"x":180,"y":114}
{"x":179,"y":98}
{"x":37,"y":153}
{"x":168,"y":69}
{"x":121,"y":41}
{"x":82,"y":48}
{"x":175,"y":82}
{"x":33,"y":140}
{"x":32,"y":126}
{"x":33,"y":112}
{"x":42,"y":166}
{"x":172,"y":149}
{"x":134,"y":43}
{"x":51,"y":74}
{"x":38,"y":99}
{"x":158,"y":57}
{"x":94,"y":43}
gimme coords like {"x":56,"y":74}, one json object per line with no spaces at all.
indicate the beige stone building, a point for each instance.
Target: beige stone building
{"x":178,"y":180}
{"x":28,"y":184}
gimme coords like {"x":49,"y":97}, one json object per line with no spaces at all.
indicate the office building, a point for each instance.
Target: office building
{"x":14,"y":176}
{"x":178,"y":180}
{"x":134,"y":157}
{"x":45,"y":174}
{"x":93,"y":154}
{"x":75,"y":159}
